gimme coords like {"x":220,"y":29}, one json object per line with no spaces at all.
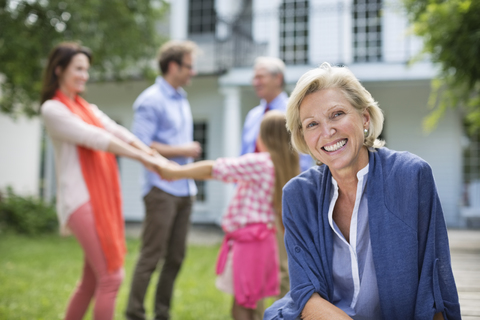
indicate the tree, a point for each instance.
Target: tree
{"x":121,"y":33}
{"x":451,"y":33}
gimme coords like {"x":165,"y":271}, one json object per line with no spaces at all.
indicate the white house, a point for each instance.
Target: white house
{"x":369,"y":36}
{"x":20,"y":154}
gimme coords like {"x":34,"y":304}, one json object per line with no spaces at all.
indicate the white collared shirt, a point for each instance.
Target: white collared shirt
{"x":354,"y":279}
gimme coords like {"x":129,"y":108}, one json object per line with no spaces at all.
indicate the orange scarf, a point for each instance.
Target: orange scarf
{"x":100,"y":172}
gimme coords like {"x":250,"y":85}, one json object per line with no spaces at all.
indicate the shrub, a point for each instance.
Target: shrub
{"x":26,"y":215}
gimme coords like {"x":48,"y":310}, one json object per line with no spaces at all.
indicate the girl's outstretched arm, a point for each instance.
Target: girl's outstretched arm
{"x":201,"y":170}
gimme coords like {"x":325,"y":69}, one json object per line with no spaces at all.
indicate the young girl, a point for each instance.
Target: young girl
{"x":248,"y":265}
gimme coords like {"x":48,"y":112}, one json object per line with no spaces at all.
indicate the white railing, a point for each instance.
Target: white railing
{"x":333,"y":35}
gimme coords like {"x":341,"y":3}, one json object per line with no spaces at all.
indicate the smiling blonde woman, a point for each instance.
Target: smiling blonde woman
{"x":364,"y":230}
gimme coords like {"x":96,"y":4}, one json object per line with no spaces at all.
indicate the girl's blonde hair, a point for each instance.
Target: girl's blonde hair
{"x":327,"y":77}
{"x":276,"y":139}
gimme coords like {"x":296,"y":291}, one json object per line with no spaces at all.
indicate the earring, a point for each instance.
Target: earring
{"x":365,"y":132}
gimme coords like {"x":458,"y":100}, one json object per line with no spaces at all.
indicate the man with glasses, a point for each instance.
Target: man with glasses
{"x":163,"y":120}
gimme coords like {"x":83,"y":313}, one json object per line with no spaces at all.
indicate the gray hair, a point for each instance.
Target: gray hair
{"x":326,"y":77}
{"x":274,"y":66}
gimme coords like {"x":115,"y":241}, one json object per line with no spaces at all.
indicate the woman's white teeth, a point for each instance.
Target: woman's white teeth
{"x":336,"y":146}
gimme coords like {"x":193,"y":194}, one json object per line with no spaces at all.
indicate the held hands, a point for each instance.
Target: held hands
{"x":153,"y":161}
{"x":160,"y":165}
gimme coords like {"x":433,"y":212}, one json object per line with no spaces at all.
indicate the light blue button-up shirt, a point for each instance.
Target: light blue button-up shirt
{"x":162,"y":114}
{"x":355,"y":289}
{"x":251,"y":128}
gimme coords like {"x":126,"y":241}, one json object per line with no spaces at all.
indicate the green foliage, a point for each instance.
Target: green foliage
{"x":451,"y":33}
{"x":26,"y":215}
{"x":121,"y":33}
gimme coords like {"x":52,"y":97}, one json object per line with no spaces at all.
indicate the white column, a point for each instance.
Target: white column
{"x":346,"y":54}
{"x":231,"y":121}
{"x":20,"y":154}
{"x":231,"y":132}
{"x":179,"y":19}
{"x":227,"y":12}
{"x":266,"y":24}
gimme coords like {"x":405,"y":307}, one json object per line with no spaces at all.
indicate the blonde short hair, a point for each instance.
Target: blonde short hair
{"x":327,"y":77}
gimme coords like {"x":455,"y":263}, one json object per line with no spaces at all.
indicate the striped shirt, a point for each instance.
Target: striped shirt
{"x":355,"y":288}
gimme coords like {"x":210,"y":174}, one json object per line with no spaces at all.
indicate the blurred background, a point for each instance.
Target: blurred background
{"x":381,"y":41}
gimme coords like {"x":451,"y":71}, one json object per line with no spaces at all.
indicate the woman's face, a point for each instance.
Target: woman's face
{"x":334,"y":130}
{"x":72,"y":80}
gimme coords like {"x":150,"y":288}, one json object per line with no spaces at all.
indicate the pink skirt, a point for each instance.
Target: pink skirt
{"x":248,"y":266}
{"x":224,"y":281}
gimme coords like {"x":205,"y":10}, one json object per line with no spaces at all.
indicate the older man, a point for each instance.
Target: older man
{"x":269,"y":83}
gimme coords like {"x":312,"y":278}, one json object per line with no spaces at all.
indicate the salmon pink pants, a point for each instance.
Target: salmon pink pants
{"x":96,"y":282}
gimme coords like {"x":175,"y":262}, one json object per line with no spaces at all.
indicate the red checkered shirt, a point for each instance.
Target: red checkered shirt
{"x":255,"y":177}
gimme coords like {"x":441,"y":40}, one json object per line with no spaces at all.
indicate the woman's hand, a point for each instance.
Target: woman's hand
{"x":153,"y":162}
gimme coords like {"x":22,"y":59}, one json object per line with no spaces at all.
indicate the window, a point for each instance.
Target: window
{"x":200,"y":135}
{"x":294,"y":31}
{"x":367,"y":30}
{"x":201,"y":17}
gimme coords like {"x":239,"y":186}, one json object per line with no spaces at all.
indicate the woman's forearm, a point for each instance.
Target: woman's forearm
{"x":138,"y":144}
{"x":318,"y":308}
{"x":123,"y":149}
{"x":189,"y":150}
{"x":151,"y":162}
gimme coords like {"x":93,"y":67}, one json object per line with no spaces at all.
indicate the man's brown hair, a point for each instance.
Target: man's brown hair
{"x":174,"y":51}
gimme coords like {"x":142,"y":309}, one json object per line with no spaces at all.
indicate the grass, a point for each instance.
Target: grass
{"x":37,"y":276}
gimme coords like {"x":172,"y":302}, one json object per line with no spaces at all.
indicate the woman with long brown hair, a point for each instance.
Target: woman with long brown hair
{"x":248,"y":265}
{"x":89,"y":203}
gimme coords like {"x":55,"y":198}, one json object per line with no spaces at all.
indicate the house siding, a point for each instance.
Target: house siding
{"x":404,"y":105}
{"x":20,"y":145}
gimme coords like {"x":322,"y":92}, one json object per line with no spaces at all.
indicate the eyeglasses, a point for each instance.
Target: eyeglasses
{"x":186,"y":65}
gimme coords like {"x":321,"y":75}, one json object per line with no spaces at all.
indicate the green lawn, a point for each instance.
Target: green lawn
{"x":38,"y":274}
